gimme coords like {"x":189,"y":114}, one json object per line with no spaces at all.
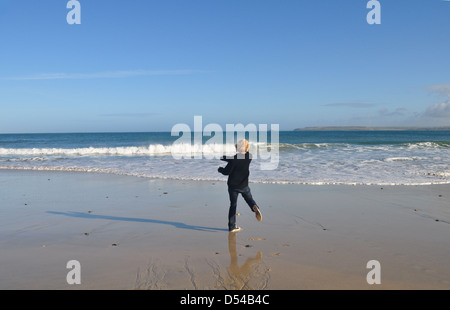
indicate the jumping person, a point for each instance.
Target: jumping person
{"x":237,"y":170}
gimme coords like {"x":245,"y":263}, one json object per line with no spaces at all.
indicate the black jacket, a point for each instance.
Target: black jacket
{"x":237,"y":170}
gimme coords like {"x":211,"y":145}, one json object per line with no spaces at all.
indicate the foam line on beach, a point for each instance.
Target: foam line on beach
{"x":216,"y":179}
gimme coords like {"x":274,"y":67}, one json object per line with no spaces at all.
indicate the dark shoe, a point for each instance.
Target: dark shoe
{"x":257,"y":213}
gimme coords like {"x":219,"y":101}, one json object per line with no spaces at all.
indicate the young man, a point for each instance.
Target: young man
{"x":237,"y":170}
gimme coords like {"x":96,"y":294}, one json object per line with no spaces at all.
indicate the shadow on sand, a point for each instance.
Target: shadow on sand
{"x":133,"y":219}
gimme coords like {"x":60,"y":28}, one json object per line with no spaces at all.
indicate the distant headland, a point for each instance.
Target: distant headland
{"x":366,"y":128}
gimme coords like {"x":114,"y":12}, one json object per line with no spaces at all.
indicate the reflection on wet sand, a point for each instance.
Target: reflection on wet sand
{"x":195,"y":272}
{"x":249,"y":276}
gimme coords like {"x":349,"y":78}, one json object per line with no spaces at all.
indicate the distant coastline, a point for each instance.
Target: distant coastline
{"x":366,"y":128}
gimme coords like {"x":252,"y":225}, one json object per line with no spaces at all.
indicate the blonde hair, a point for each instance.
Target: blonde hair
{"x":243,"y":146}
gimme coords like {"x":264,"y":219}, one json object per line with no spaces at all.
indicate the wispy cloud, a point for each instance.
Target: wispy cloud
{"x":350,"y":105}
{"x":102,"y":75}
{"x":439,"y":110}
{"x":128,"y":115}
{"x":442,"y":89}
{"x":397,"y":112}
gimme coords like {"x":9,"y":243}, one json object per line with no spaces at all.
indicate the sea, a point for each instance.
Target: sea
{"x":401,"y":157}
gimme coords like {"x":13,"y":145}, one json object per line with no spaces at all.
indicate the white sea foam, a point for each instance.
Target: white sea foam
{"x":207,"y":148}
{"x":390,"y":159}
{"x":300,"y":163}
{"x":445,"y":177}
{"x":151,"y":150}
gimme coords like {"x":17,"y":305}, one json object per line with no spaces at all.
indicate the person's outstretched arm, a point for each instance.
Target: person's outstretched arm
{"x":224,"y":158}
{"x":228,"y":168}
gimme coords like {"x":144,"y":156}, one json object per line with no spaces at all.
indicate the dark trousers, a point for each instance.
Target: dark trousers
{"x":234,"y":193}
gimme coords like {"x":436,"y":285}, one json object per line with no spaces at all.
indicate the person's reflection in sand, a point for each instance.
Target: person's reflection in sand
{"x":241,"y":276}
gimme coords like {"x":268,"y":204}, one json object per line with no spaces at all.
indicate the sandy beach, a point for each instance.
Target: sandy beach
{"x":138,"y":233}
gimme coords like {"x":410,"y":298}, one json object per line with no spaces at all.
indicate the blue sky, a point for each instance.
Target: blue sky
{"x":146,"y":65}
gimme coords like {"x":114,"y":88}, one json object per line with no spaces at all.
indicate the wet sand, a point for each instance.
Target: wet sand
{"x":137,"y":233}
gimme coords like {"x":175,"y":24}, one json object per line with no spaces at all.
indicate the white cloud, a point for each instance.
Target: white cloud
{"x":439,"y":110}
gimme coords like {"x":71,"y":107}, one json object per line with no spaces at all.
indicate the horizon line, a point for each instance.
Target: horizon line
{"x":309,"y":128}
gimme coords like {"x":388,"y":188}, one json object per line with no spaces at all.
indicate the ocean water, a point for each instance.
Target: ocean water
{"x":305,"y":157}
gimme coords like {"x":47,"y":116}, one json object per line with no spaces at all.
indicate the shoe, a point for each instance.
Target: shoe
{"x":236,"y":229}
{"x":257,"y":213}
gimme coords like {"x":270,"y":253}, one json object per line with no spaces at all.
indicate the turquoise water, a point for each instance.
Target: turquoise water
{"x":306,"y":157}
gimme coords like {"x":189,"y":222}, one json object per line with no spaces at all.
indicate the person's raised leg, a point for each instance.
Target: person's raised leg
{"x":247,"y":194}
